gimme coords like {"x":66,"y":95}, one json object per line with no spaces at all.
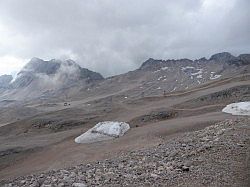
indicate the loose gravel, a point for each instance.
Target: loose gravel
{"x":218,"y":155}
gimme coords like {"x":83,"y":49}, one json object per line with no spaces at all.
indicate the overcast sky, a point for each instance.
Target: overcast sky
{"x":115,"y":36}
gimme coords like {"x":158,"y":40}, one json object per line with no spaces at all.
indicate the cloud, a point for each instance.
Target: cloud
{"x":9,"y":65}
{"x":114,"y":36}
{"x":66,"y":73}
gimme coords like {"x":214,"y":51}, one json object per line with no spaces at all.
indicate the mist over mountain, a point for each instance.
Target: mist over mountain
{"x":53,"y":73}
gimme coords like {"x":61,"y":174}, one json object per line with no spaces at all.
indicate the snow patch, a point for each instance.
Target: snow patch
{"x":159,"y":78}
{"x":199,"y":76}
{"x":173,"y":89}
{"x":164,"y":68}
{"x":157,"y":71}
{"x":103,"y":131}
{"x":187,"y":67}
{"x":212,"y":76}
{"x":193,"y":72}
{"x":197,"y":73}
{"x":241,"y":108}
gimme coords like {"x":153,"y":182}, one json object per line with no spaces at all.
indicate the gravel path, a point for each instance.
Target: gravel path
{"x":218,"y":155}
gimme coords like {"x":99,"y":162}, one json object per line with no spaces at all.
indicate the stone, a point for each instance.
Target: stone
{"x":46,"y":185}
{"x":79,"y":185}
{"x":154,"y":175}
{"x":185,"y":168}
{"x":61,"y":185}
{"x":34,"y":185}
{"x":103,"y":131}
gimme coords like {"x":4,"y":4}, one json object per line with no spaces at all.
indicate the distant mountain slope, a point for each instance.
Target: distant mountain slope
{"x":156,"y":77}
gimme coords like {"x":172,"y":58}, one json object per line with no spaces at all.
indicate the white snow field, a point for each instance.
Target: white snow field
{"x":103,"y":131}
{"x":241,"y":108}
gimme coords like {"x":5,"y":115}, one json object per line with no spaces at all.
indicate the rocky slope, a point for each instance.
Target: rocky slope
{"x":215,"y":156}
{"x":156,"y":77}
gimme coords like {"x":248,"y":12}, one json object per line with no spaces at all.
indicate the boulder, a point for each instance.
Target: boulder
{"x":241,"y":108}
{"x":103,"y":131}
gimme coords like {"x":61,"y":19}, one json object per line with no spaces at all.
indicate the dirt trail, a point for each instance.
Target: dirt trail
{"x":198,"y":108}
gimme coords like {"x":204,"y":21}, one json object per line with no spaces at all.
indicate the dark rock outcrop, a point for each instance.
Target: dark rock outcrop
{"x":244,"y":58}
{"x":222,"y":57}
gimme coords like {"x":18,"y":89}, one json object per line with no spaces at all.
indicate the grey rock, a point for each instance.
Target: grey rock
{"x":79,"y":185}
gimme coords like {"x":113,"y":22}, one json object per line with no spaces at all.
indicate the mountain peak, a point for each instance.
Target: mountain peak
{"x":244,"y":58}
{"x":148,"y":63}
{"x":223,"y":56}
{"x":38,"y":65}
{"x":66,"y":72}
{"x":34,"y":59}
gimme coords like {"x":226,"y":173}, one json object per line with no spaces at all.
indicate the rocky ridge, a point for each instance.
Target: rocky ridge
{"x":157,"y":77}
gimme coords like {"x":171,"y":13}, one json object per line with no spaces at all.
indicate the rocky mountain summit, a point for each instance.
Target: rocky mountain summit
{"x":56,"y":70}
{"x":224,"y":57}
{"x":39,"y":76}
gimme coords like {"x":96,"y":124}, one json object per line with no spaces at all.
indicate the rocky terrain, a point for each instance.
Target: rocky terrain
{"x":218,"y":155}
{"x":169,"y":105}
